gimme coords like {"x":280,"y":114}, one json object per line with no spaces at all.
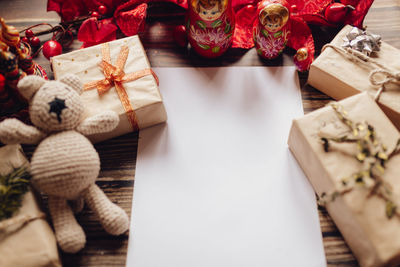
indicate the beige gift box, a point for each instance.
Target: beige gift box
{"x":26,"y":239}
{"x":340,"y":77}
{"x":371,"y":235}
{"x":144,"y":95}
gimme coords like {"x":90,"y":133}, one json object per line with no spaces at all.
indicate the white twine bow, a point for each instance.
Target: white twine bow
{"x":353,"y":49}
{"x":388,"y":77}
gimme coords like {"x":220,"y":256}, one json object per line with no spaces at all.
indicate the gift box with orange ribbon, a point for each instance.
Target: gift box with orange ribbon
{"x":116,"y":76}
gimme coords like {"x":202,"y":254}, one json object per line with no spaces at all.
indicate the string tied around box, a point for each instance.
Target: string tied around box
{"x":20,"y":220}
{"x":114,"y":76}
{"x":357,"y":47}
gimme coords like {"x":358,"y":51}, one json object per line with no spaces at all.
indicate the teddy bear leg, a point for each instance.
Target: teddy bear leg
{"x":113,"y":219}
{"x":77,"y":205}
{"x":69,"y":233}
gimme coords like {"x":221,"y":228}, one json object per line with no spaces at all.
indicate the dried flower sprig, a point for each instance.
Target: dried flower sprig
{"x":12,"y":188}
{"x":373,"y":155}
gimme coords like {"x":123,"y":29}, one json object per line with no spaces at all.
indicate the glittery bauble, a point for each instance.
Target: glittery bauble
{"x":51,"y":48}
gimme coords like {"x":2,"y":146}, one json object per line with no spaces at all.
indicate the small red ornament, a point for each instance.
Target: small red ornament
{"x":29,"y":33}
{"x":102,"y":10}
{"x":25,"y":40}
{"x":337,"y":12}
{"x":51,"y":48}
{"x":95,"y":14}
{"x":35,"y":41}
{"x":180,"y":36}
{"x":2,"y":82}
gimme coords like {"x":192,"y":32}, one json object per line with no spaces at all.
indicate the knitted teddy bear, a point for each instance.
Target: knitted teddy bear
{"x":65,"y":164}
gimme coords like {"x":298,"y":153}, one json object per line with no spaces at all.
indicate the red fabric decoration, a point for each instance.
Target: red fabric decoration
{"x":130,"y":16}
{"x":301,"y":38}
{"x":181,"y":3}
{"x":356,"y":17}
{"x":93,"y":32}
{"x":243,"y":35}
{"x":310,"y":6}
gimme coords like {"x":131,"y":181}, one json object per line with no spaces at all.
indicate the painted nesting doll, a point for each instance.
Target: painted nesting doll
{"x":271,"y":30}
{"x":210,"y":25}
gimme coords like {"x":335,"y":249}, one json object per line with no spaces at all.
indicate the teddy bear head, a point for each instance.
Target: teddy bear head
{"x":53,"y":105}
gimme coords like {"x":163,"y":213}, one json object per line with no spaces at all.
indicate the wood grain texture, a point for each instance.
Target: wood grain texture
{"x":118,"y":156}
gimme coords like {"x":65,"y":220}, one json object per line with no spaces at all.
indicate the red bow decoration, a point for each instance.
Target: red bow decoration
{"x":129,"y":17}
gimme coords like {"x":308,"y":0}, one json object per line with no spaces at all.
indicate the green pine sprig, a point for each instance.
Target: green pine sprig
{"x":371,"y":153}
{"x":12,"y":188}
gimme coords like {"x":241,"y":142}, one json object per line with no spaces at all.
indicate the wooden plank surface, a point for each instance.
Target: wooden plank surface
{"x":118,"y":156}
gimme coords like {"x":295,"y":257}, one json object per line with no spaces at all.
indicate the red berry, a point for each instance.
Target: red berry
{"x":25,"y":40}
{"x":95,"y":14}
{"x":51,"y":48}
{"x":337,"y":12}
{"x":29,"y":33}
{"x":102,"y":10}
{"x":35,"y":41}
{"x":180,"y":36}
{"x":294,"y":9}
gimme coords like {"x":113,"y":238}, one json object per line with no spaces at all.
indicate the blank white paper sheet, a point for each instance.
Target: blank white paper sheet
{"x":216,"y":186}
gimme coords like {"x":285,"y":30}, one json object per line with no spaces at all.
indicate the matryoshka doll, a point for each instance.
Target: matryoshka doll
{"x":210,"y":26}
{"x":271,"y":30}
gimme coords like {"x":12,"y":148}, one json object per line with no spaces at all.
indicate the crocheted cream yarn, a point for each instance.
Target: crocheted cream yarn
{"x":65,"y":164}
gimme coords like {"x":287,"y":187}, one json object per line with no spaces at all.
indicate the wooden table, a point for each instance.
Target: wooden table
{"x":118,"y":156}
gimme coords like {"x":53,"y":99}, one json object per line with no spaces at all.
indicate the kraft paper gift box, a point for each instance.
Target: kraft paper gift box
{"x":26,"y":239}
{"x":142,"y":94}
{"x":361,"y":216}
{"x":341,"y":76}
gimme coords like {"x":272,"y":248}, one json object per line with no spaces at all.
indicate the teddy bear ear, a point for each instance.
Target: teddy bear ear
{"x":29,"y":85}
{"x":73,"y":81}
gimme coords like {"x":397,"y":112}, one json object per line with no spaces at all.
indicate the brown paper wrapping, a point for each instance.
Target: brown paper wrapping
{"x":29,"y":244}
{"x":339,"y":77}
{"x":143,"y":93}
{"x":373,"y":238}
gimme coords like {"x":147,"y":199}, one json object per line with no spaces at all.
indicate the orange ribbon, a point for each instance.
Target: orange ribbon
{"x":115,"y":76}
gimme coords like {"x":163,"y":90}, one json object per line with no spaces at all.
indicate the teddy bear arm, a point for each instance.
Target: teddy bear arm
{"x":13,"y":131}
{"x":100,"y":123}
{"x":69,"y":233}
{"x":113,"y":218}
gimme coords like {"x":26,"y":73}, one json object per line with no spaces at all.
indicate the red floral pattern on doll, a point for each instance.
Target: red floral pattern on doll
{"x":269,"y":44}
{"x":214,"y":38}
{"x":210,"y":27}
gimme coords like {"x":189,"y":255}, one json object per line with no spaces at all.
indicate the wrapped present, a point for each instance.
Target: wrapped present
{"x":350,"y":154}
{"x":356,"y":61}
{"x":26,"y":239}
{"x":116,"y":76}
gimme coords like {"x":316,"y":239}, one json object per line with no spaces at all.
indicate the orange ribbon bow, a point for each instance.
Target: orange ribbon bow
{"x":115,"y":76}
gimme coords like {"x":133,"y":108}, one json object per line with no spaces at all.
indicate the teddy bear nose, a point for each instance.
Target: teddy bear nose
{"x":57,"y":105}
